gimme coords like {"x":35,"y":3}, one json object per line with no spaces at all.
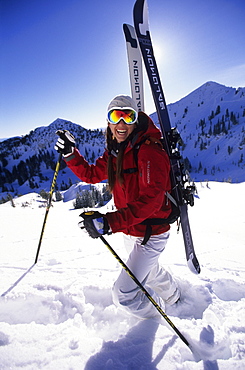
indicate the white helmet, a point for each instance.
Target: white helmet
{"x":123,"y":102}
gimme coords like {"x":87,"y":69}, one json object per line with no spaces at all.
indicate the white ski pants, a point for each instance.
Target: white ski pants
{"x":143,"y":262}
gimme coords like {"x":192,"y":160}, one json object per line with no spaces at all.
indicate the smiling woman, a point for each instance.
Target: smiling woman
{"x":139,"y":188}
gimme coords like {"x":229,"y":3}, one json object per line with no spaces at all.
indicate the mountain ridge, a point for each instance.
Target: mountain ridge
{"x":211,"y":121}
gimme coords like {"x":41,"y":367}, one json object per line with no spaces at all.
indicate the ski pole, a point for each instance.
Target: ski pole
{"x":48,"y":204}
{"x":129,"y":272}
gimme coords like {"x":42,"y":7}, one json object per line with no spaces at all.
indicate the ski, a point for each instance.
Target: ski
{"x":135,"y":66}
{"x":181,"y":192}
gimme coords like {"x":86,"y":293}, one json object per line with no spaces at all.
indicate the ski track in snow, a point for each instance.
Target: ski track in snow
{"x":60,"y":315}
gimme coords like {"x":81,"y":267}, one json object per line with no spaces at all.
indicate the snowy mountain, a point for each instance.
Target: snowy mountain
{"x":211,"y":121}
{"x":28,"y":162}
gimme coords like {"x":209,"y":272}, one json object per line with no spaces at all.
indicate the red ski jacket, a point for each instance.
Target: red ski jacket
{"x":142,"y":194}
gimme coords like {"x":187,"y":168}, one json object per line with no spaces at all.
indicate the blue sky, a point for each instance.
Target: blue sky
{"x":67,"y":58}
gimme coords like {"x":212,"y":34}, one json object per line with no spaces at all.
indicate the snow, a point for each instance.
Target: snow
{"x":58,"y":314}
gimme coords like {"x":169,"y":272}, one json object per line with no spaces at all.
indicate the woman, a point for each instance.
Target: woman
{"x":137,"y":169}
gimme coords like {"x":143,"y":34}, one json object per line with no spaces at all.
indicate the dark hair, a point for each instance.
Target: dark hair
{"x":119,"y":148}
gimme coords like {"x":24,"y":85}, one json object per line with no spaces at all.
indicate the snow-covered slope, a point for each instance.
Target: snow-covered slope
{"x":59,"y":313}
{"x":27,"y":163}
{"x":211,"y":121}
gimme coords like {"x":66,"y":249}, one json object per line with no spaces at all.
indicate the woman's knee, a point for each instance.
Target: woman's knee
{"x":121,"y":298}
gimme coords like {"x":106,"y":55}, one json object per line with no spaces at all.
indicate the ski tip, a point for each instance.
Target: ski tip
{"x":140,"y":13}
{"x":126,"y":27}
{"x":194,"y":266}
{"x":130,"y":35}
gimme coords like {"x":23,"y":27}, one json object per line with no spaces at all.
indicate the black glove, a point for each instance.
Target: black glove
{"x":95,"y":224}
{"x":66,"y":143}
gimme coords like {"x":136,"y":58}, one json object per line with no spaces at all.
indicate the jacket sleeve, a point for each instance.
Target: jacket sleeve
{"x":89,"y":173}
{"x":153,"y":182}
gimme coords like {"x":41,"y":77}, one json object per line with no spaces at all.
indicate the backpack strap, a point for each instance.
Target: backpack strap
{"x":149,"y":222}
{"x":147,"y":140}
{"x":171,"y":198}
{"x":148,"y":232}
{"x":131,"y":170}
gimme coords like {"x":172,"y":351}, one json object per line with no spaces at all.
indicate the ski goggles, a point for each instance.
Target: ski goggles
{"x":129,"y":115}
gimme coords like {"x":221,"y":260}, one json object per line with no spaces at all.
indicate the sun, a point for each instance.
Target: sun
{"x":158,"y":52}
